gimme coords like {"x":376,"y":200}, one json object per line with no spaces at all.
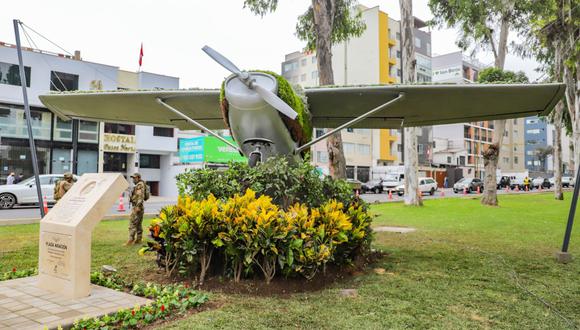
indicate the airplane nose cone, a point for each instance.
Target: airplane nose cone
{"x":242,"y":97}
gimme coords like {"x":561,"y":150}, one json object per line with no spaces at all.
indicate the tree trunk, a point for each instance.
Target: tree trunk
{"x":571,"y":100}
{"x":412,"y":193}
{"x":491,"y":156}
{"x":558,"y":194}
{"x":323,"y":22}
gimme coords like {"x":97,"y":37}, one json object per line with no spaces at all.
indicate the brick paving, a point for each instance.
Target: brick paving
{"x":24,"y":306}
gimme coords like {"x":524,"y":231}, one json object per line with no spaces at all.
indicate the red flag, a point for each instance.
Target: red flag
{"x":141,"y":56}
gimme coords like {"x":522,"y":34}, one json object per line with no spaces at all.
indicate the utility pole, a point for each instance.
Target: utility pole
{"x":28,"y":118}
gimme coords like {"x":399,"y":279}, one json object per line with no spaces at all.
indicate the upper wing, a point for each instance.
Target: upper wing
{"x":430,"y":104}
{"x":140,"y":107}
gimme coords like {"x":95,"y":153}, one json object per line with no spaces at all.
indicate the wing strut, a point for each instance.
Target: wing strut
{"x":200,"y":126}
{"x":352,"y":122}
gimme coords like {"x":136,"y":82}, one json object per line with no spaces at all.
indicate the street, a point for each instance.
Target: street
{"x":31,"y":214}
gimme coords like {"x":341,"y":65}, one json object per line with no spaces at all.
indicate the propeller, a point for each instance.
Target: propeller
{"x":270,"y":98}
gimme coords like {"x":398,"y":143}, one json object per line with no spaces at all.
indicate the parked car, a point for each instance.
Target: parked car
{"x":375,"y":186}
{"x":391,"y":183}
{"x":543,"y":182}
{"x":567,"y":181}
{"x":356,"y":185}
{"x":426,"y":185}
{"x":469,"y":184}
{"x":24,"y":192}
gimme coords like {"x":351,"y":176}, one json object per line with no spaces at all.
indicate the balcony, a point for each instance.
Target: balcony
{"x":392,"y":61}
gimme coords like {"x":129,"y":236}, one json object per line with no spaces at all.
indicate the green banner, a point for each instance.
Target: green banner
{"x":216,"y":151}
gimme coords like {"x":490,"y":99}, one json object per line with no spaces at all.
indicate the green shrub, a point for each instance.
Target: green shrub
{"x":253,"y":235}
{"x":286,"y":181}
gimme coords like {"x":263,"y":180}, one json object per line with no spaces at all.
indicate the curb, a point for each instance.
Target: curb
{"x":28,"y":221}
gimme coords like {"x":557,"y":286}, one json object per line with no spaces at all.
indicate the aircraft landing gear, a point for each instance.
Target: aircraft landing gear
{"x":254,"y":159}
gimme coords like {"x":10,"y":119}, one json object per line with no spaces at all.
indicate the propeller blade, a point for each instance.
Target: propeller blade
{"x":223,"y":61}
{"x":275,"y":101}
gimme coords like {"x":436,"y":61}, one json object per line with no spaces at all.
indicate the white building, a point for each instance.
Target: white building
{"x":151,"y":150}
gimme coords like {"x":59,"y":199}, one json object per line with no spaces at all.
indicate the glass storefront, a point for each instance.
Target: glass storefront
{"x":18,"y":159}
{"x":115,"y":162}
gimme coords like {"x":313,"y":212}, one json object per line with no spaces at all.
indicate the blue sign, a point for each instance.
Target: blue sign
{"x":191,"y":150}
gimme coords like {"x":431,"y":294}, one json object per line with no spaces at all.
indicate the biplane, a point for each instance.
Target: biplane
{"x":262,"y":123}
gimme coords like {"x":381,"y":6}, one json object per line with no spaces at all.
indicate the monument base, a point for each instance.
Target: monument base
{"x":26,"y":306}
{"x":563,"y":257}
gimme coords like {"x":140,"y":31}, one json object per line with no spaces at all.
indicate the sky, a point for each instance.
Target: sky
{"x":174,"y":31}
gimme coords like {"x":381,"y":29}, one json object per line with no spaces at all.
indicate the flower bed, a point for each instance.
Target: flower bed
{"x":249,"y":234}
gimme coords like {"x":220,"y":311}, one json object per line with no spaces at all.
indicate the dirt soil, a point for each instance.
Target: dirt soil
{"x":280,"y":285}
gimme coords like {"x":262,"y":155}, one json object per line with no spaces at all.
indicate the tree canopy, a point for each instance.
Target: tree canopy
{"x":495,"y":75}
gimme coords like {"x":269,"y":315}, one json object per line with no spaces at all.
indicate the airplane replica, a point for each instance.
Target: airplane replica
{"x":264,"y":125}
{"x":254,"y":106}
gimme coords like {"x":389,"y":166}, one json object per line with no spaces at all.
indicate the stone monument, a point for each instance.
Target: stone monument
{"x":65,"y":233}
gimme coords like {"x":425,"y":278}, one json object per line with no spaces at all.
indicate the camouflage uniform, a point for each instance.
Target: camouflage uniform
{"x":136,"y":220}
{"x":62,"y":186}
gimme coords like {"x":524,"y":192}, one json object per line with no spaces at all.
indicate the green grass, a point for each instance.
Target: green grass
{"x":466,"y":266}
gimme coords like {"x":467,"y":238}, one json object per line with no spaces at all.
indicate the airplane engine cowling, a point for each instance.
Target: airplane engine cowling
{"x":256,"y":125}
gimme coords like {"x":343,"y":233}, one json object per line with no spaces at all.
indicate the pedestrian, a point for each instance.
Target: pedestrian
{"x":10,"y":179}
{"x":138,"y":195}
{"x":445,"y":183}
{"x":20,"y":177}
{"x":61,"y":187}
{"x":527,"y":183}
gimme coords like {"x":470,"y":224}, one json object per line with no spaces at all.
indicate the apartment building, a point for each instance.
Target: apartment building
{"x":372,"y":58}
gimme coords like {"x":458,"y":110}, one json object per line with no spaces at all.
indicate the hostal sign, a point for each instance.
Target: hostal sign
{"x":119,"y":143}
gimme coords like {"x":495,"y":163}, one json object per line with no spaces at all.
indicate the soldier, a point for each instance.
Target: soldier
{"x":62,"y":186}
{"x":136,"y":220}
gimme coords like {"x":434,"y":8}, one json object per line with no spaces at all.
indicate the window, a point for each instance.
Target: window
{"x":398,"y":72}
{"x":13,"y":123}
{"x":530,"y":153}
{"x":461,"y":160}
{"x":322,"y":156}
{"x":429,"y":49}
{"x":149,"y":161}
{"x":60,"y":81}
{"x":163,"y":131}
{"x":532,"y":121}
{"x":515,"y":121}
{"x":319,"y":132}
{"x":506,"y":160}
{"x":303,"y":77}
{"x":363,"y":149}
{"x":348,"y":147}
{"x":314,"y":75}
{"x":398,"y":35}
{"x":398,"y":54}
{"x":529,"y":162}
{"x":420,"y":148}
{"x":119,"y":128}
{"x":448,"y":159}
{"x":287,"y":67}
{"x":533,"y":131}
{"x":505,"y":133}
{"x":88,"y":131}
{"x":417,"y":42}
{"x":62,"y":130}
{"x":515,"y":133}
{"x":115,"y":162}
{"x":515,"y":160}
{"x":350,"y":130}
{"x":10,"y":74}
{"x":303,"y":62}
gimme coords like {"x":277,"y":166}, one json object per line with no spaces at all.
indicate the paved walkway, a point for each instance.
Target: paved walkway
{"x":24,"y":306}
{"x":401,"y":230}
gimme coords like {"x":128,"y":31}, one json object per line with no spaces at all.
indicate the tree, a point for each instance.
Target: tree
{"x":491,"y":155}
{"x":543,"y":154}
{"x":484,"y":25}
{"x":412,"y":192}
{"x":324,"y":23}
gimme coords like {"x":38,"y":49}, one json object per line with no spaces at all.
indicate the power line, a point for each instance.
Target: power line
{"x":66,"y":51}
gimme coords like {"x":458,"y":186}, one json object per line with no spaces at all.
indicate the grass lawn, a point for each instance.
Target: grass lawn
{"x":466,"y":266}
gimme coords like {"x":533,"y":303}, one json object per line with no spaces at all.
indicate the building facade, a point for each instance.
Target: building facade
{"x":102,"y":147}
{"x":372,"y":58}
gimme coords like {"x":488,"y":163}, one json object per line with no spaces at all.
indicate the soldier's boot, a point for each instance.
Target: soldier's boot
{"x":129,"y":242}
{"x":138,"y":240}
